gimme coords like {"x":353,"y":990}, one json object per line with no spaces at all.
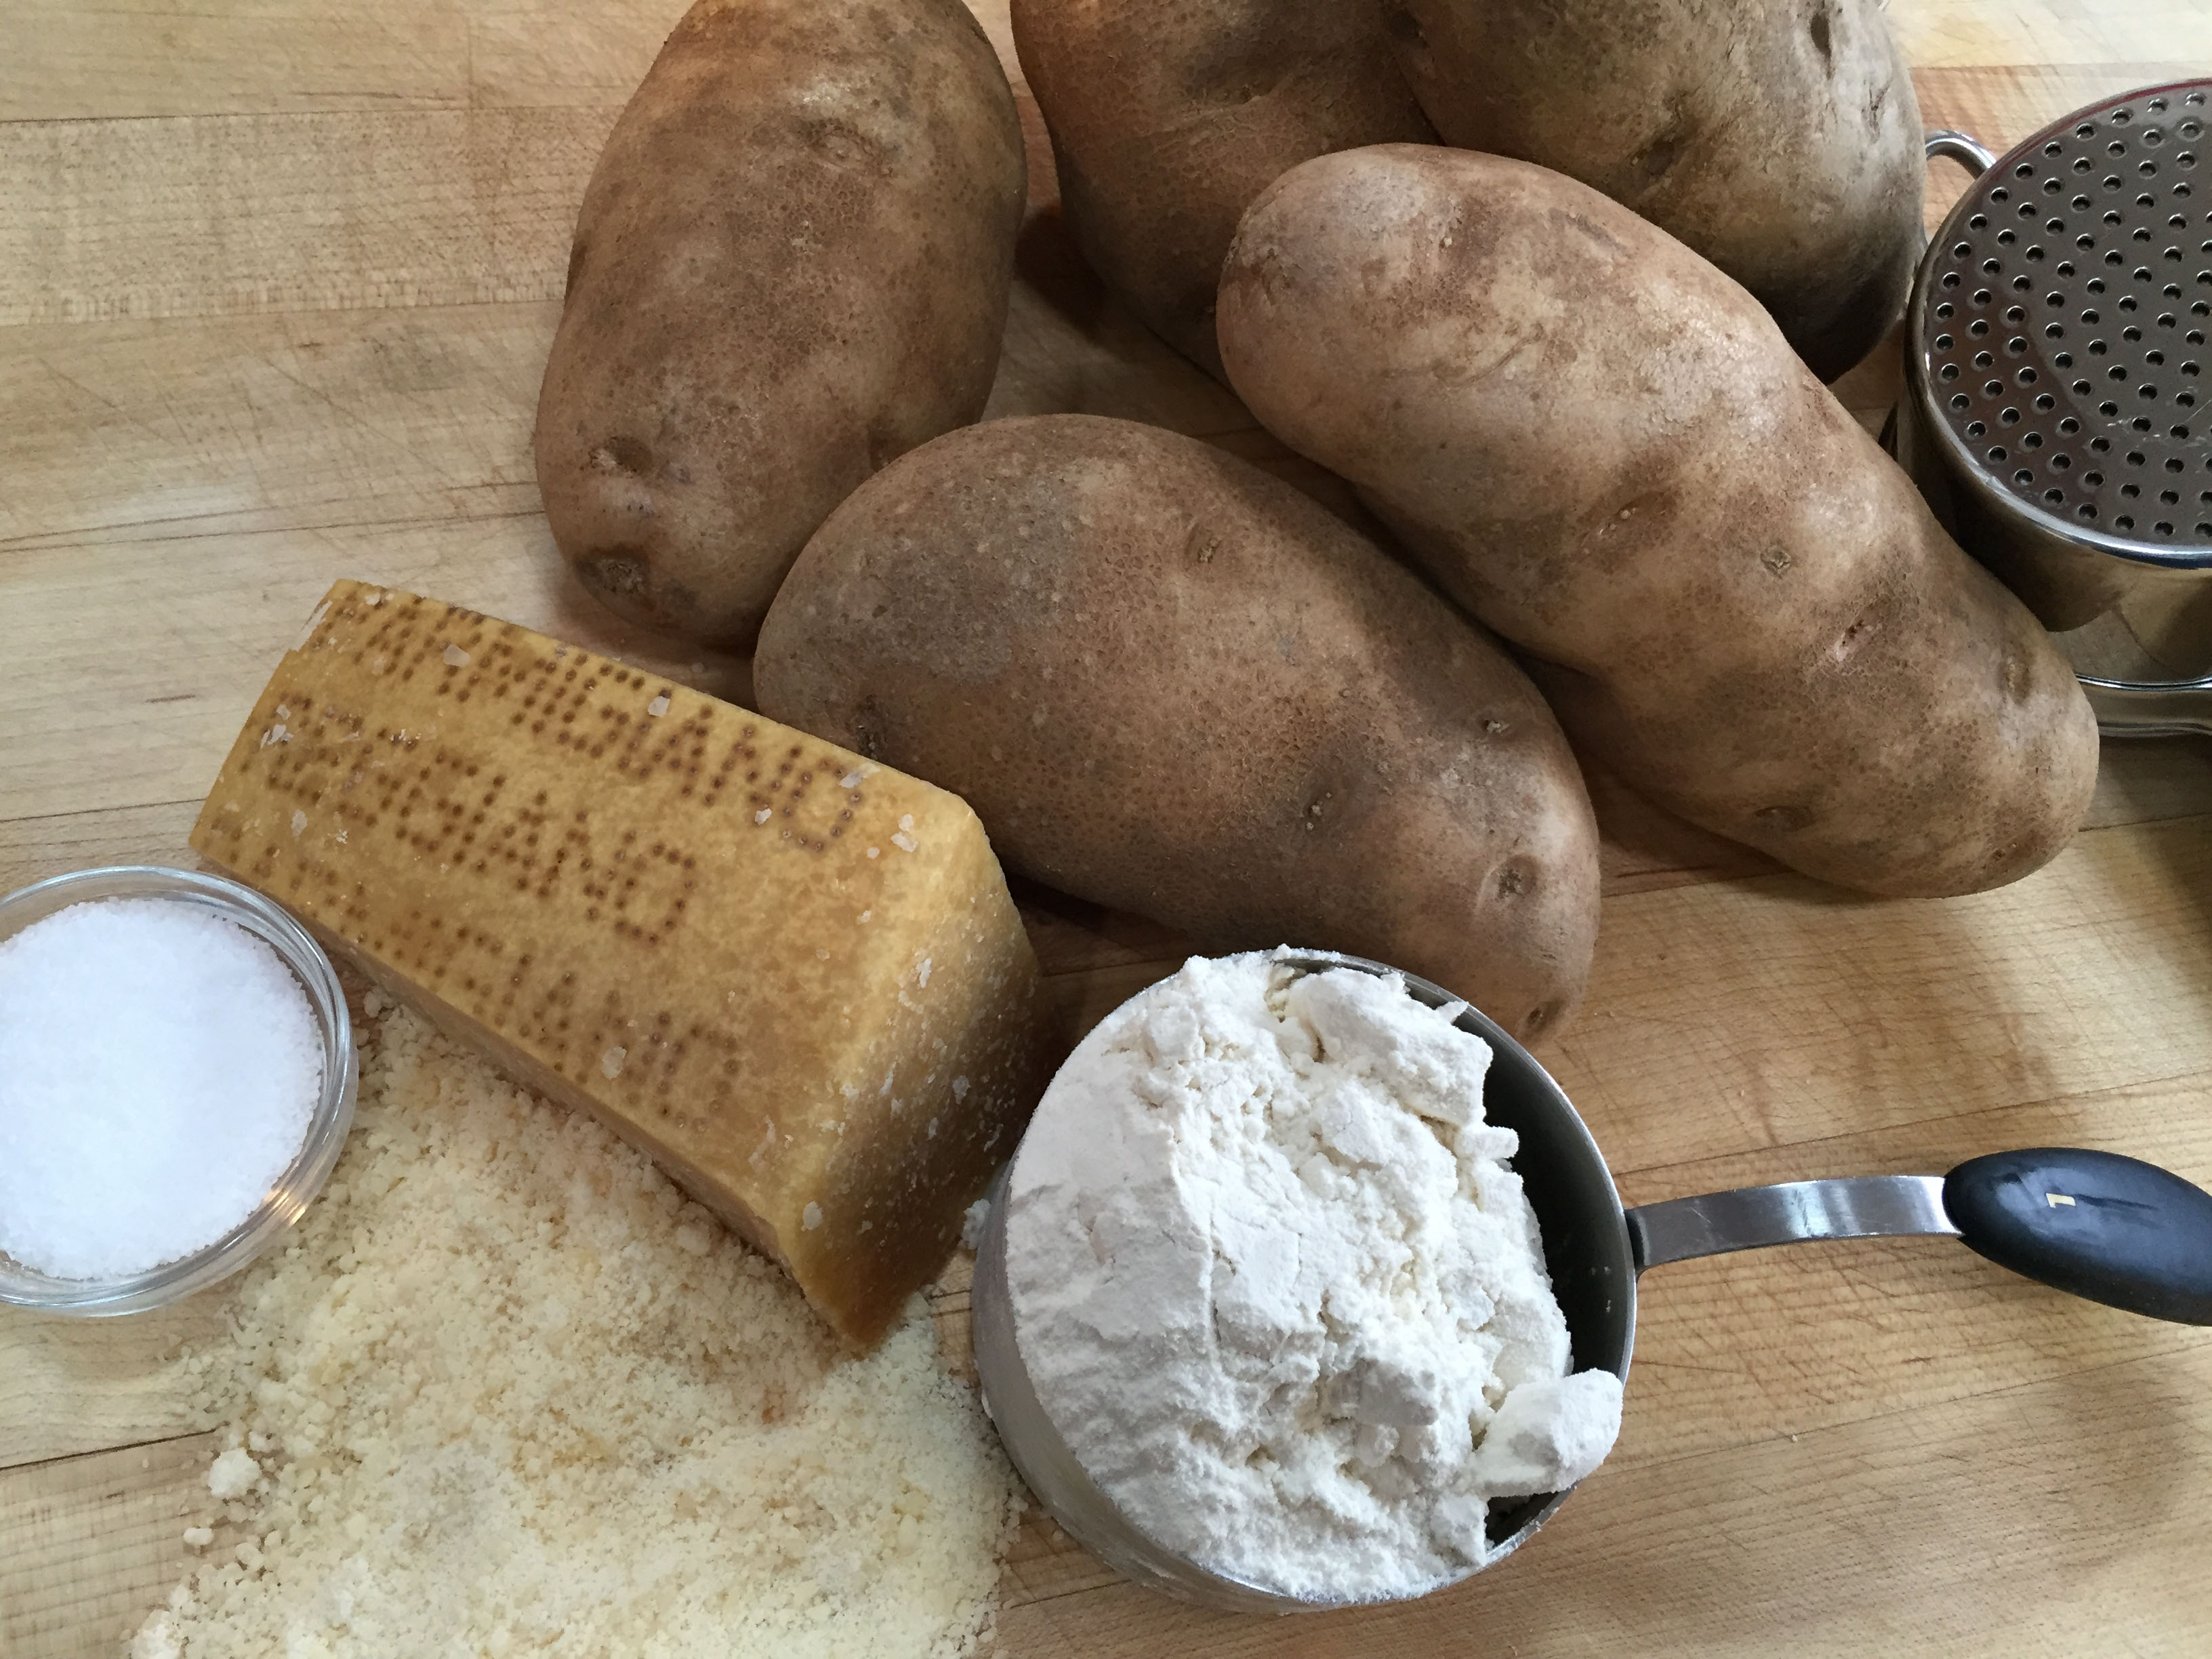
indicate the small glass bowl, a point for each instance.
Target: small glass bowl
{"x":287,"y":1200}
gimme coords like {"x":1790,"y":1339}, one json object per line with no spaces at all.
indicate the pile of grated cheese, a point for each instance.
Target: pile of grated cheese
{"x":509,"y":1392}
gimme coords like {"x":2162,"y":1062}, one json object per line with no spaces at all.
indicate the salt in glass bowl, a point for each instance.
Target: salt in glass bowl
{"x":289,"y":1198}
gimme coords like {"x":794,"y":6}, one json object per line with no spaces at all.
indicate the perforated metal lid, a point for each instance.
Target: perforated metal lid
{"x":2063,"y":324}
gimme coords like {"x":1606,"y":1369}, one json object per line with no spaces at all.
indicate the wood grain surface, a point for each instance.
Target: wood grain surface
{"x":277,"y":282}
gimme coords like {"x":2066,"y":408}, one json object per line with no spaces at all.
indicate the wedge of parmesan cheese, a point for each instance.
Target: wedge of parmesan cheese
{"x":794,"y":977}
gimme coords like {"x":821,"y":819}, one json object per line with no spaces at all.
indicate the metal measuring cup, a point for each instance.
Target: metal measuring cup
{"x":2107,"y":1228}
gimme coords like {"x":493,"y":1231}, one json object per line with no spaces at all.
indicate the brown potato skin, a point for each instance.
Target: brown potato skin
{"x":792,"y":265}
{"x":1169,"y":683}
{"x":1779,"y":138}
{"x":1604,"y":449}
{"x":1167,"y":117}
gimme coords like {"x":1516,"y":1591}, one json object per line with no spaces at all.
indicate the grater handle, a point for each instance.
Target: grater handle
{"x":2130,"y":709}
{"x":1967,"y":152}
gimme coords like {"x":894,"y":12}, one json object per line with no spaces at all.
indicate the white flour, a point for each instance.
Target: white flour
{"x":1279,"y":1291}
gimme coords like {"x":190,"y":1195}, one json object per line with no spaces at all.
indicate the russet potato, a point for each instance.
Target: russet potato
{"x":792,"y":265}
{"x":1167,"y":117}
{"x":1168,"y":683}
{"x":1779,"y":138}
{"x":1604,"y":449}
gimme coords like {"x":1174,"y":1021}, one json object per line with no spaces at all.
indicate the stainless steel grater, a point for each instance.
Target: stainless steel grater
{"x":2055,"y":413}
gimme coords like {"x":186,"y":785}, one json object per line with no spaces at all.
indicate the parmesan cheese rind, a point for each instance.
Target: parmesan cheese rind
{"x":794,"y":977}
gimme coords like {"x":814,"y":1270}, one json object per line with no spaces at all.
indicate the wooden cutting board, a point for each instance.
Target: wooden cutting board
{"x":277,"y":282}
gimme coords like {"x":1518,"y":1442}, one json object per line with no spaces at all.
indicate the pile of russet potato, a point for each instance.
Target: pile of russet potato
{"x":1553,"y":287}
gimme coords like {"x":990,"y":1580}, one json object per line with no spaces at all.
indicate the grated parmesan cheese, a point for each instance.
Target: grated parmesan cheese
{"x":509,"y":1392}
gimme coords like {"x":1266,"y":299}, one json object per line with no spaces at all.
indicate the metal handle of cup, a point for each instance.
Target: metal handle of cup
{"x":1795,"y":1212}
{"x":2095,"y":1225}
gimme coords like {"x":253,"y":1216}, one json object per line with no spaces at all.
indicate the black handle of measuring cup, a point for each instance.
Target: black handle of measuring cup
{"x":2114,"y":1229}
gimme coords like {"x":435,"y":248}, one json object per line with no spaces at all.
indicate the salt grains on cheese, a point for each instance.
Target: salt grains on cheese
{"x":159,"y":1066}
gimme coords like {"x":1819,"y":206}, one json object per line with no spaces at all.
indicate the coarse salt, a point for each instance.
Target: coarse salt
{"x":159,"y":1066}
{"x":234,"y":1474}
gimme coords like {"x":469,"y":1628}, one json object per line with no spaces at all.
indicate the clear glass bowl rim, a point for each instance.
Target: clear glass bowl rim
{"x":289,"y":1198}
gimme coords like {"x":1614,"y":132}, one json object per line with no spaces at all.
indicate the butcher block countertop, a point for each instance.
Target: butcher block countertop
{"x":277,"y":279}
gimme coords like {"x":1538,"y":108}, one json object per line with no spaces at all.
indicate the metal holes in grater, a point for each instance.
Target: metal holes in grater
{"x":2068,"y":319}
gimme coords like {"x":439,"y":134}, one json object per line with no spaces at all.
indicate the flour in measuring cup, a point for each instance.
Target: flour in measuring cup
{"x":1278,"y":1290}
